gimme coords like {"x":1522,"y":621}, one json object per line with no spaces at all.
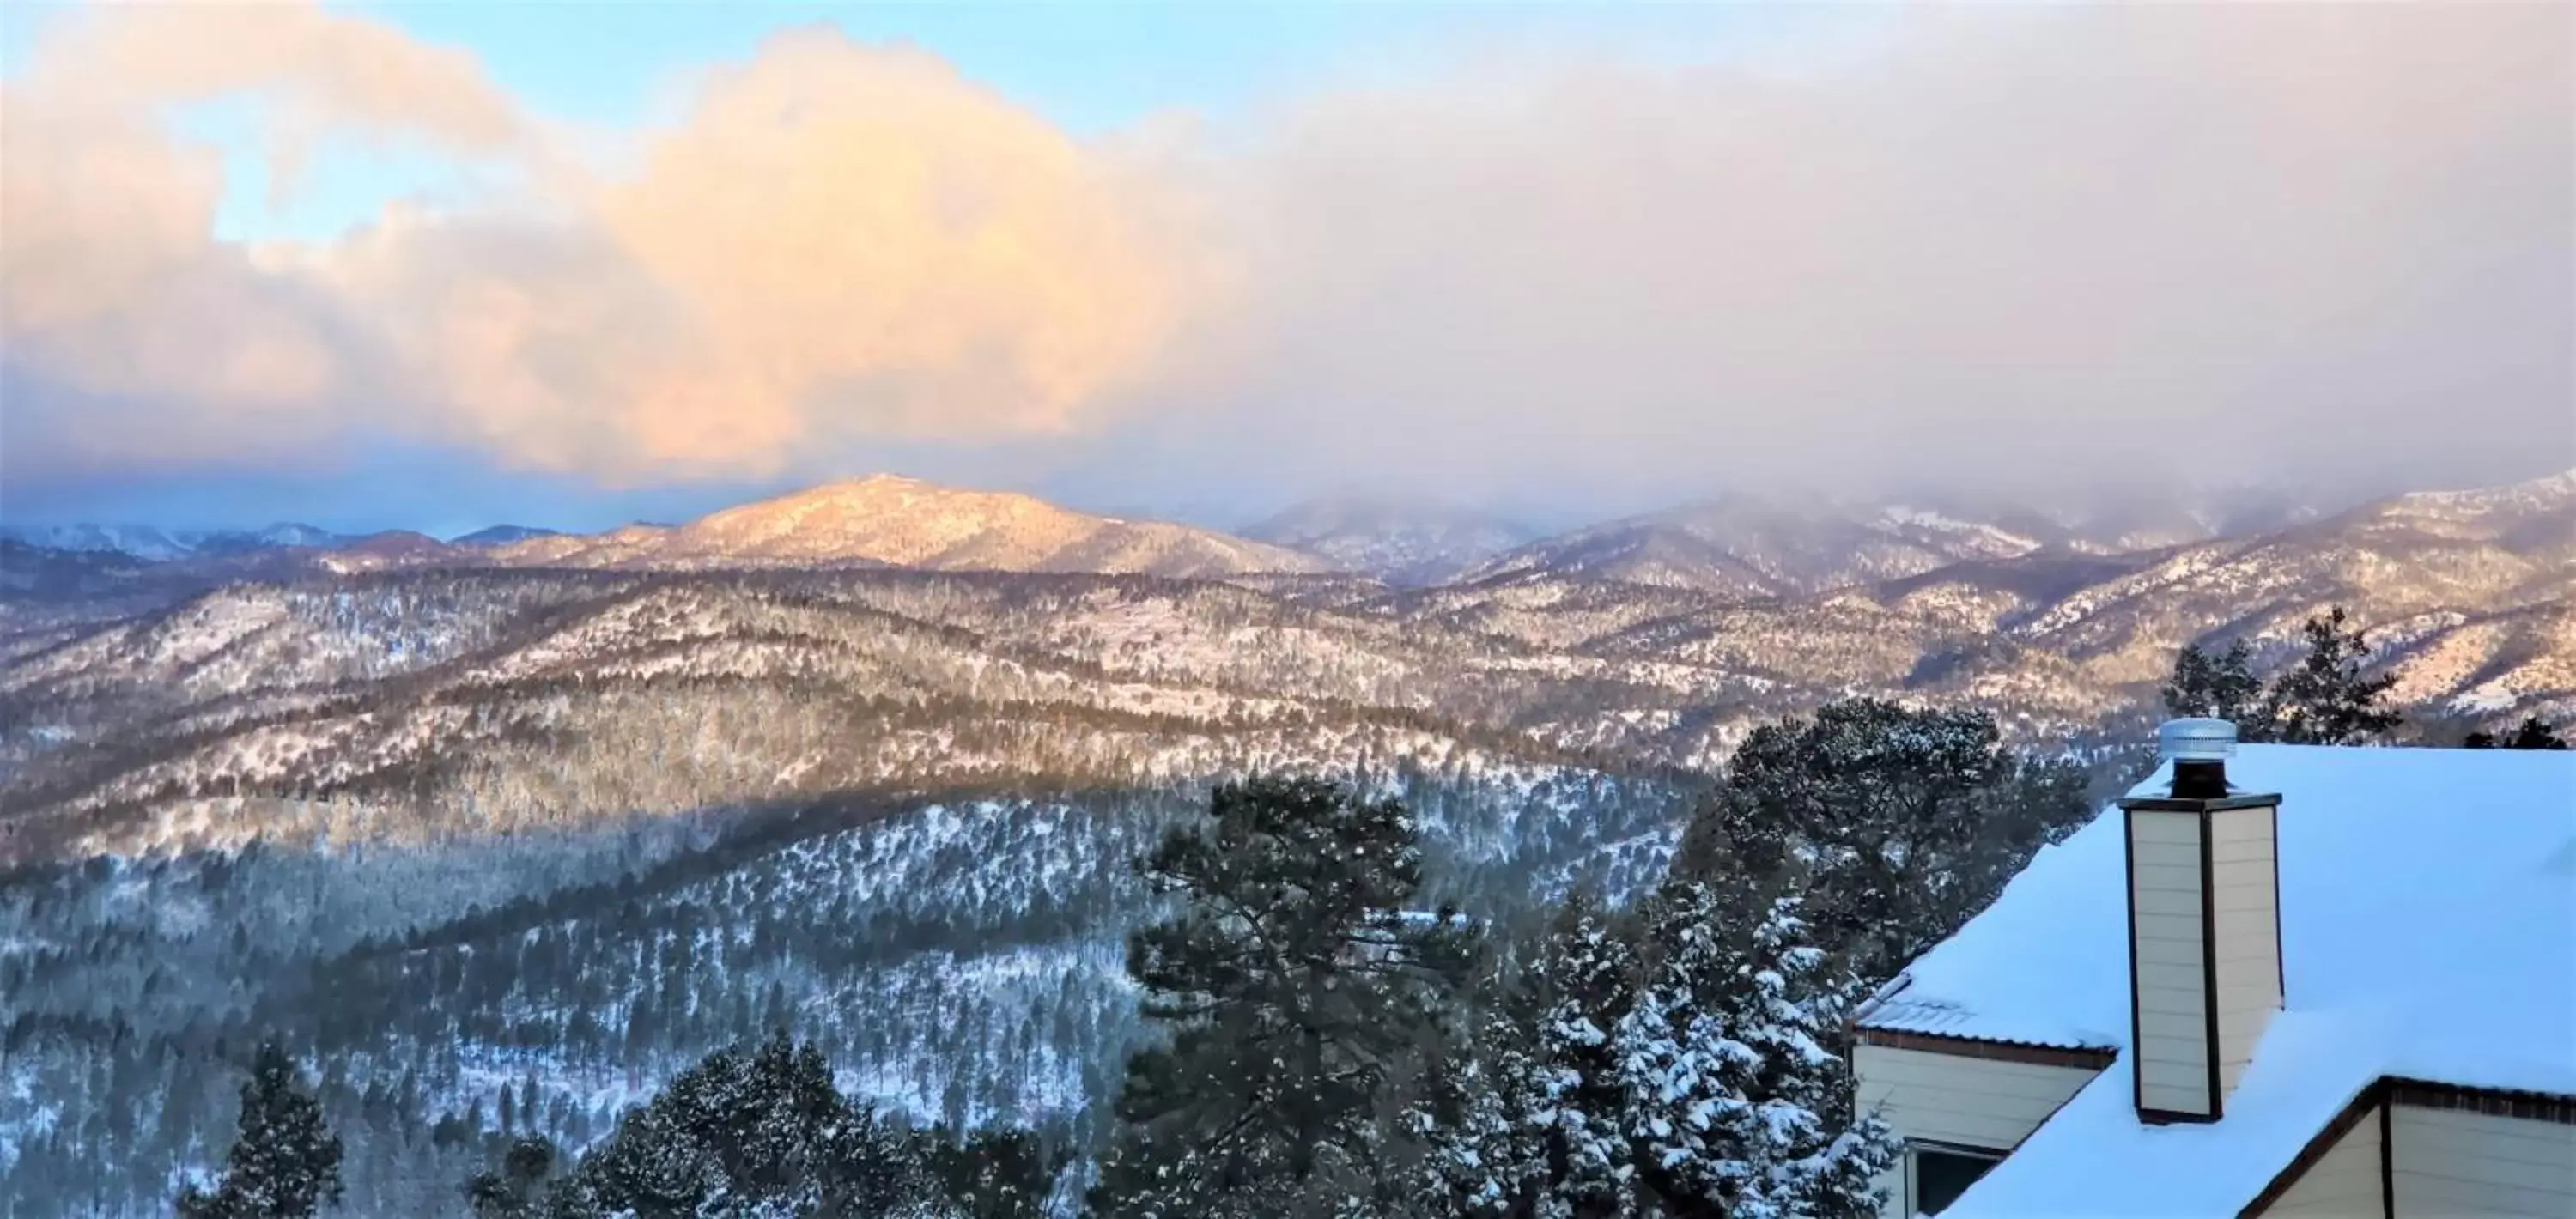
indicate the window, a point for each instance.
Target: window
{"x":1942,"y":1174}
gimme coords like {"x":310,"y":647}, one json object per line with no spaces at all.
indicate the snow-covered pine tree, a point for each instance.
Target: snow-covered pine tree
{"x":1790,"y":1009}
{"x":1481,"y":1152}
{"x":756,"y":1133}
{"x":1529,"y":1126}
{"x":1737,"y":1098}
{"x":1676,"y":1067}
{"x":1590,"y":975}
{"x":286,"y":1162}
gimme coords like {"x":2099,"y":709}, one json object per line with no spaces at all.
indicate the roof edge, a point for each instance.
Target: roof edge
{"x":2392,"y":1090}
{"x":2085,"y":1057}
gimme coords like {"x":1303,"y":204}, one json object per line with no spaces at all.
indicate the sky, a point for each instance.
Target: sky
{"x":438,"y":265}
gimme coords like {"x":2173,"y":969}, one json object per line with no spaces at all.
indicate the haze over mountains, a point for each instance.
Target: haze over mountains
{"x":1734,"y":544}
{"x":1405,"y":542}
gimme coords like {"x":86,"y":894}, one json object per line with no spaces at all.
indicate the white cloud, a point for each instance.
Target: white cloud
{"x":2041,"y":247}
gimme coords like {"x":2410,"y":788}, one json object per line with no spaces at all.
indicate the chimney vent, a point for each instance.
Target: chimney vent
{"x":2198,"y":749}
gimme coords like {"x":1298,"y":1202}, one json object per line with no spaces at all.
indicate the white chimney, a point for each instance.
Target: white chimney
{"x":2204,"y":926}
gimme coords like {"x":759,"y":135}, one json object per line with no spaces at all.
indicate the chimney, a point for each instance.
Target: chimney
{"x":2204,"y":926}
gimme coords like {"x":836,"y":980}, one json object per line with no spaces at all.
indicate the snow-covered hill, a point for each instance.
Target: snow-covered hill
{"x":401,"y":675}
{"x":902,"y":522}
{"x":165,"y":545}
{"x":499,"y":535}
{"x":1744,"y":546}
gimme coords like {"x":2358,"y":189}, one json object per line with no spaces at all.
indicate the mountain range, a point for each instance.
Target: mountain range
{"x":1659,"y":638}
{"x":1402,"y":542}
{"x":1737,"y":545}
{"x":552,"y":817}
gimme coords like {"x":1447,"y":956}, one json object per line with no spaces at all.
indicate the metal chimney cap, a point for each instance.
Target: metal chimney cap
{"x":2196,"y":740}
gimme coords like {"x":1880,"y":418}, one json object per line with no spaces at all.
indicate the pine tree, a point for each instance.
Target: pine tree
{"x":750,"y":1133}
{"x":1590,"y":974}
{"x":1675,"y":1065}
{"x":1004,"y":1174}
{"x":1737,"y":1100}
{"x":1903,"y":822}
{"x":285,"y":1163}
{"x":1530,"y":1123}
{"x":2533,"y":733}
{"x":1298,"y":993}
{"x":1791,"y":1009}
{"x":2220,"y":686}
{"x":517,"y":1189}
{"x":2324,"y":699}
{"x":1482,"y":1152}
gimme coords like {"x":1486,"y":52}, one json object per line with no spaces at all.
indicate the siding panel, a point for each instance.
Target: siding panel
{"x":2450,"y":1162}
{"x":2344,"y":1184}
{"x":2169,"y":957}
{"x":2245,"y":934}
{"x":1979,"y":1102}
{"x":1950,"y":1098}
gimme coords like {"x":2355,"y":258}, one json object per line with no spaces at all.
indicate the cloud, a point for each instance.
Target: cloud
{"x":2032,"y":249}
{"x":131,"y":339}
{"x":837,"y":242}
{"x":2027,"y":248}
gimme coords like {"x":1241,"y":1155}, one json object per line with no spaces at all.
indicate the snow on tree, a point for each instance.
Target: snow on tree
{"x":285,"y":1163}
{"x":1530,"y":1127}
{"x":741,"y":1134}
{"x":1591,"y":978}
{"x":1738,"y":1102}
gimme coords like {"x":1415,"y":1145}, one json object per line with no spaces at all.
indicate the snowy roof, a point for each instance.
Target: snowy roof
{"x":2428,"y":931}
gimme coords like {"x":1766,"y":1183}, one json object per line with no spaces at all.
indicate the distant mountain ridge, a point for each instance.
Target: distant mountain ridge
{"x":889,"y":521}
{"x":496,"y":535}
{"x":166,"y":545}
{"x":1747,"y":546}
{"x":1734,"y":546}
{"x":1403,"y":542}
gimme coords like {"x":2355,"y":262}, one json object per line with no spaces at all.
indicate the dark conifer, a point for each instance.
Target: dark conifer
{"x":2218,"y":685}
{"x":517,"y":1188}
{"x":1905,"y":821}
{"x":1298,"y":990}
{"x":2532,"y":733}
{"x":2324,"y":699}
{"x":285,"y":1162}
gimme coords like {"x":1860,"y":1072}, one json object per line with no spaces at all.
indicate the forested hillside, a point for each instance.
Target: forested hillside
{"x":502,"y":850}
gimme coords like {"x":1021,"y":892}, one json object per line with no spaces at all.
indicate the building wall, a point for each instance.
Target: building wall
{"x":2344,"y":1184}
{"x":2458,"y":1162}
{"x":2173,"y":1023}
{"x":2245,"y":907}
{"x":1957,"y":1100}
